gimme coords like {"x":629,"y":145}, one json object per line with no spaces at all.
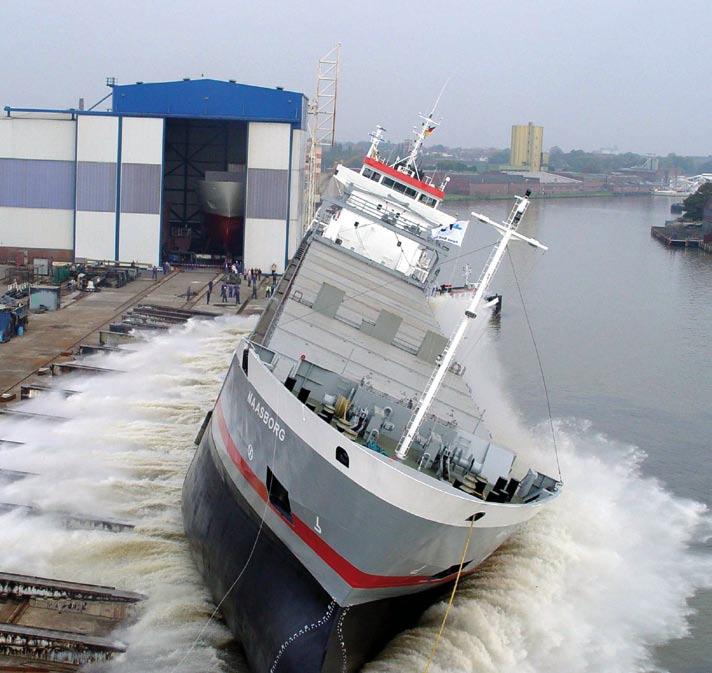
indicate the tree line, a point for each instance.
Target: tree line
{"x":460,"y":159}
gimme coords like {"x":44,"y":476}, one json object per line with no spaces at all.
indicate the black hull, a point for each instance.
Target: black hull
{"x":280,"y":614}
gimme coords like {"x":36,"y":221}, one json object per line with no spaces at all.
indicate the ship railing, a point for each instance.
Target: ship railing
{"x":391,"y":215}
{"x":393,"y":219}
{"x":439,"y":440}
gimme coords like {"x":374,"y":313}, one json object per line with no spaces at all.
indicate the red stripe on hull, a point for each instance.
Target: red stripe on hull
{"x":358,"y":579}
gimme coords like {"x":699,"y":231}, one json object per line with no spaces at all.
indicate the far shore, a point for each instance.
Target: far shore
{"x":506,"y":197}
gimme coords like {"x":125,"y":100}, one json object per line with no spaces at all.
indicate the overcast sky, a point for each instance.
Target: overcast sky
{"x":636,"y":75}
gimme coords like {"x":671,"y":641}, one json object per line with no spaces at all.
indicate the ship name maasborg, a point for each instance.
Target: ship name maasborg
{"x":261,"y":411}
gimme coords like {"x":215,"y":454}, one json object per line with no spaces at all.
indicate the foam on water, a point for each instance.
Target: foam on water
{"x":124,"y":454}
{"x":593,"y":583}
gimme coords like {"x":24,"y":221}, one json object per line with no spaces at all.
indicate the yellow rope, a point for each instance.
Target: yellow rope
{"x":452,"y":598}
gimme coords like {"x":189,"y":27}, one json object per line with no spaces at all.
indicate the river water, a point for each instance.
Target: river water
{"x":614,"y":577}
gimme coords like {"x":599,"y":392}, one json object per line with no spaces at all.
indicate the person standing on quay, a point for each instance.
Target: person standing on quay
{"x":237,"y":292}
{"x":210,"y":290}
{"x":223,"y":293}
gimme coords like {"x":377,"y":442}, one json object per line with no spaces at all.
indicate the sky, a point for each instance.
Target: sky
{"x":623,"y":73}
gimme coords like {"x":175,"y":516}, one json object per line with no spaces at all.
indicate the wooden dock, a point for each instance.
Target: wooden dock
{"x":53,"y":626}
{"x":670,"y":238}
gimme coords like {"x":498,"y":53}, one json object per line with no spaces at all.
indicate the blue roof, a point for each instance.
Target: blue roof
{"x":212,"y":99}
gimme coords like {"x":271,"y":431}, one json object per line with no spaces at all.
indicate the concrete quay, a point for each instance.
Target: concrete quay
{"x":57,"y":334}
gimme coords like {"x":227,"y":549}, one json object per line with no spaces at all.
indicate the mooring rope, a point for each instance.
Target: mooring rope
{"x":452,"y":597}
{"x":237,"y":579}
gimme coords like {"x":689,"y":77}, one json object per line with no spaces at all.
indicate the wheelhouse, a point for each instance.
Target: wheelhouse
{"x":402,"y":182}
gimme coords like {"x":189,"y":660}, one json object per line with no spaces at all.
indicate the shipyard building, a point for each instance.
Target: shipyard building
{"x":184,"y":171}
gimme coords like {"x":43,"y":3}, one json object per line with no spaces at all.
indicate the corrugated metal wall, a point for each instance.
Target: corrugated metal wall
{"x":266,"y":223}
{"x":97,"y":156}
{"x":93,"y":186}
{"x":141,"y":190}
{"x":119,"y":188}
{"x":36,"y":183}
{"x":96,"y":186}
{"x":267,"y":193}
{"x":296,"y":189}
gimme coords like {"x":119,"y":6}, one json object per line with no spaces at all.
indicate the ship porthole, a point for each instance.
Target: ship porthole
{"x":342,"y":456}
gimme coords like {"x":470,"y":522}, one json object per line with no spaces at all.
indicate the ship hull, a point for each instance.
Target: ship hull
{"x":281,"y":615}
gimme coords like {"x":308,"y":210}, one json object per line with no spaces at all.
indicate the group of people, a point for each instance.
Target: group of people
{"x":227,"y":290}
{"x":166,"y":267}
{"x":230,"y":287}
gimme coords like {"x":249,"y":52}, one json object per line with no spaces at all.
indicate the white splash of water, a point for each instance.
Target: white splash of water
{"x":124,"y":454}
{"x":593,"y":583}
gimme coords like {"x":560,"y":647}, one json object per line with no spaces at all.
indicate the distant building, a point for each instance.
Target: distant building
{"x":526,"y":149}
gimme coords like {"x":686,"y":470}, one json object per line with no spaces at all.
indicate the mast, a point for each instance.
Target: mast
{"x":508,"y":231}
{"x":376,"y":140}
{"x":426,"y":128}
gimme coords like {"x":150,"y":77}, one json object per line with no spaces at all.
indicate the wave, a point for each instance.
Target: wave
{"x":124,"y":453}
{"x":595,"y":582}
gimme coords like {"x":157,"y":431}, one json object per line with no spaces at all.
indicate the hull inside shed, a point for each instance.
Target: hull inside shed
{"x":204,"y":189}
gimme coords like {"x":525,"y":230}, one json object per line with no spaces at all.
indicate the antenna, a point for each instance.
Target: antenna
{"x":427,"y":126}
{"x":322,"y":125}
{"x":440,"y":95}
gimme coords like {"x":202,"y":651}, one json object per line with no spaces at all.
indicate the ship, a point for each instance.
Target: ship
{"x":222,"y":200}
{"x":343,"y":480}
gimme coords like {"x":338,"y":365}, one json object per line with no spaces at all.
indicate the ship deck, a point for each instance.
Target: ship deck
{"x":417,"y":459}
{"x":446,"y":466}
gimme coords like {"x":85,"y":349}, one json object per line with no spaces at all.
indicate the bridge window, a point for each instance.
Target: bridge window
{"x":371,"y":175}
{"x":399,"y":187}
{"x":428,"y":200}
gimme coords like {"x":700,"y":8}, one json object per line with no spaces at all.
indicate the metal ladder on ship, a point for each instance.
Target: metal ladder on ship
{"x":266,"y":324}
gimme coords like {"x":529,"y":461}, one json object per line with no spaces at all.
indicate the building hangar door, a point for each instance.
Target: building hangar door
{"x":204,"y":189}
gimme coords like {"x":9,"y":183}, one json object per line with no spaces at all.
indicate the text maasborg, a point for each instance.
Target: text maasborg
{"x":264,"y":415}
